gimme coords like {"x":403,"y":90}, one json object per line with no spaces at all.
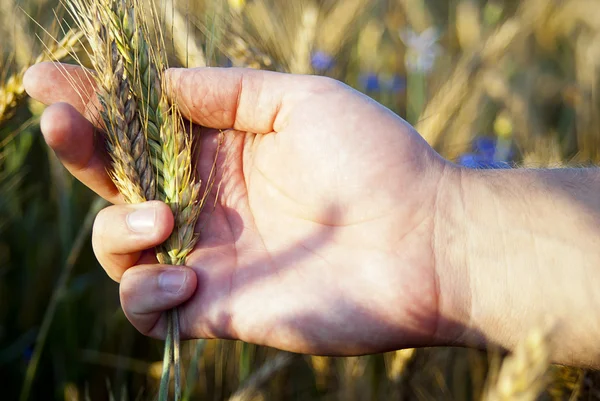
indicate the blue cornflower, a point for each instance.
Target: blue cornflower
{"x":472,"y":160}
{"x":485,"y":146}
{"x":487,"y":154}
{"x":369,"y":82}
{"x":322,"y":61}
{"x":393,"y":83}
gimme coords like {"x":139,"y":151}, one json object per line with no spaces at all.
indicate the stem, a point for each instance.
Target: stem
{"x":163,"y":392}
{"x":192,"y":374}
{"x":416,"y":92}
{"x":176,"y":351}
{"x":245,"y":361}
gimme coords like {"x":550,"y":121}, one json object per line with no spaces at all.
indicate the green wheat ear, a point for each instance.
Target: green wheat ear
{"x":151,"y":151}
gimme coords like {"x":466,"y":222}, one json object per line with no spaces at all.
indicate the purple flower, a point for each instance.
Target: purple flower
{"x":469,"y":160}
{"x":393,"y":83}
{"x":472,"y":160}
{"x":369,"y":82}
{"x":322,"y":61}
{"x":488,"y":153}
{"x":486,"y":146}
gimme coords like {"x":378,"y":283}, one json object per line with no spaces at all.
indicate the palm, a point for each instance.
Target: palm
{"x":293,"y":202}
{"x":321,"y":239}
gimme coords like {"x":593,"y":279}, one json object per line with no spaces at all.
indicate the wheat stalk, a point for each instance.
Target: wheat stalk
{"x":262,"y":376}
{"x":185,"y":41}
{"x":304,"y":40}
{"x":12,"y":92}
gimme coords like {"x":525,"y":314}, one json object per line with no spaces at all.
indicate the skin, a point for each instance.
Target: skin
{"x":337,"y":229}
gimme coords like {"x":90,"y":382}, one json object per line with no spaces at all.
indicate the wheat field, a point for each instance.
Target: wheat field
{"x":488,"y":83}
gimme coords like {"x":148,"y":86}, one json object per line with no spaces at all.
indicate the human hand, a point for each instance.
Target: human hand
{"x":323,"y":235}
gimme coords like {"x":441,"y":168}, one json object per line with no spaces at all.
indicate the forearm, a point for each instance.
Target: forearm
{"x":525,"y":248}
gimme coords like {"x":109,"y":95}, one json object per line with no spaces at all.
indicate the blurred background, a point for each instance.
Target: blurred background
{"x":488,"y":83}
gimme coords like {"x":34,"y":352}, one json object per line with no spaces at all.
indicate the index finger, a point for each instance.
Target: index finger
{"x":66,"y":125}
{"x":239,"y":98}
{"x":51,"y":83}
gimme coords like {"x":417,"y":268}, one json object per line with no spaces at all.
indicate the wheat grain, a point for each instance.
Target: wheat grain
{"x":132,"y":172}
{"x":169,"y":144}
{"x":12,"y":91}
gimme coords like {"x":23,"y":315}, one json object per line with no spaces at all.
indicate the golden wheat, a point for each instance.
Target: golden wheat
{"x":151,"y":150}
{"x":132,"y":172}
{"x":523,"y":374}
{"x":12,"y":92}
{"x":14,"y":29}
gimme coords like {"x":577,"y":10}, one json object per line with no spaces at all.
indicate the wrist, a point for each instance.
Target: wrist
{"x":524,"y":251}
{"x":449,"y":248}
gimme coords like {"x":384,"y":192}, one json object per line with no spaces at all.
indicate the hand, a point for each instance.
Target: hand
{"x":322,"y":237}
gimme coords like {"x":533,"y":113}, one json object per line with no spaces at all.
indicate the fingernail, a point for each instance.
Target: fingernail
{"x":142,"y":220}
{"x":172,"y":280}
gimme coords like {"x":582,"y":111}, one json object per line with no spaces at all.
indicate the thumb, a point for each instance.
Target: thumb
{"x":238,"y":98}
{"x":149,"y":290}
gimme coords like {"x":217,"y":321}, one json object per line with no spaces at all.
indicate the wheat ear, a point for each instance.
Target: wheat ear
{"x":132,"y":171}
{"x":12,"y":92}
{"x":171,"y":155}
{"x":523,"y":374}
{"x":170,"y":149}
{"x":147,"y":137}
{"x":169,"y":144}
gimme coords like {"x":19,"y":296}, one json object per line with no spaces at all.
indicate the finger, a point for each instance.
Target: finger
{"x":52,"y":83}
{"x":243,"y":99}
{"x":73,"y":139}
{"x":148,"y":291}
{"x":122,"y":232}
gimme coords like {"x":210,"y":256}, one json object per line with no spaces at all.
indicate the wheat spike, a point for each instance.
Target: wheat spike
{"x":523,"y":374}
{"x":169,"y":144}
{"x":12,"y":92}
{"x":152,"y":152}
{"x":164,"y":145}
{"x":243,"y":54}
{"x":132,"y":172}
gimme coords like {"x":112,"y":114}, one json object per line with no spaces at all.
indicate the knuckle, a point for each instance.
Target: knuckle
{"x":320,"y":85}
